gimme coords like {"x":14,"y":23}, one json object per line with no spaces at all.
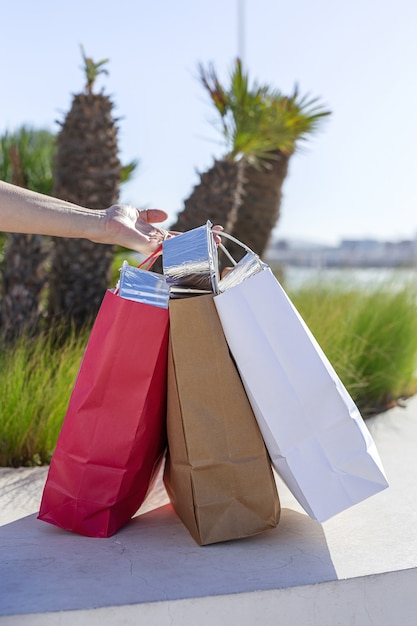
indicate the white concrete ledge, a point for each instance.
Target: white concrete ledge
{"x":358,"y":568}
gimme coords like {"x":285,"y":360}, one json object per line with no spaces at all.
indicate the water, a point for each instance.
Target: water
{"x":369,"y":278}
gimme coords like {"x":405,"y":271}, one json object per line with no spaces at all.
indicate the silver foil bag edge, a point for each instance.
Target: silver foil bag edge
{"x":190,"y":260}
{"x":248,"y":266}
{"x":143,"y":286}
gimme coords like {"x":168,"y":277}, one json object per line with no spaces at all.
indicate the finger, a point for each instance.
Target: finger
{"x":226,"y":271}
{"x":217,"y":229}
{"x":153,"y":215}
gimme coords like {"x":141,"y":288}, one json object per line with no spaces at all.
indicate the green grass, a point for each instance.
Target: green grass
{"x":370,"y":337}
{"x":36,"y":379}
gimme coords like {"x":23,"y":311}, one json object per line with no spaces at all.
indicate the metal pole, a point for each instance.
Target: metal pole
{"x":241,"y":30}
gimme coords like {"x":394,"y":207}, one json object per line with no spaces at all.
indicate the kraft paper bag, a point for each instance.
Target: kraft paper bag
{"x":315,"y":435}
{"x":217,"y":474}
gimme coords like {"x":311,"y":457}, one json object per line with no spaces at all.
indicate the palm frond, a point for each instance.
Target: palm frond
{"x":258,"y":120}
{"x":128,"y":170}
{"x":32,"y":151}
{"x":92,"y":69}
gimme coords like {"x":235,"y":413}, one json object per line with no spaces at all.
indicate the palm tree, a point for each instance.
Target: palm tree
{"x":217,"y":197}
{"x":300,"y":116}
{"x":261,"y":128}
{"x":26,"y":158}
{"x":87,"y":172}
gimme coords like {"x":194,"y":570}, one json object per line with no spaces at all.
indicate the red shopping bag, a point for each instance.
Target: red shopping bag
{"x":114,"y":433}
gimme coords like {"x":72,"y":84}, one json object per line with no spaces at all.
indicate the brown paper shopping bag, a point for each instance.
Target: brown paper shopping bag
{"x":218,"y":474}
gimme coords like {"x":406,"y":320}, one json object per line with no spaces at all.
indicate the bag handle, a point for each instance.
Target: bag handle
{"x":146,"y":264}
{"x":239,"y":243}
{"x":150,"y":260}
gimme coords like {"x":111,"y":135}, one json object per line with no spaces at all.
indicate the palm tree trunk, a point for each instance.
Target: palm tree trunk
{"x":260,"y":208}
{"x":81,"y":275}
{"x":217,"y":197}
{"x":24,"y":274}
{"x":22,"y":284}
{"x":87,"y":173}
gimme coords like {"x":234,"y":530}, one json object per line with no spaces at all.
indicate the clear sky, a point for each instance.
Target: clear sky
{"x":355,"y":178}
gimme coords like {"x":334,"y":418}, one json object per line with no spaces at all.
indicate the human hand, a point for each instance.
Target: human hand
{"x":219,"y":229}
{"x":133,"y":228}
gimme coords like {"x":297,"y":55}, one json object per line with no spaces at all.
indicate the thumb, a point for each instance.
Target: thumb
{"x":153,"y":215}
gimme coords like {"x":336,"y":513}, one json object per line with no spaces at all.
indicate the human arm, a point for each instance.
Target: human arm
{"x":23,"y":211}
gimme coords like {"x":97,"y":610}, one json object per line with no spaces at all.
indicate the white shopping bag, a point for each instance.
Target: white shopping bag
{"x":314,"y":433}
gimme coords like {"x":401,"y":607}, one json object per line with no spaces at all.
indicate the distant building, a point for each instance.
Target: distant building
{"x":349,"y":253}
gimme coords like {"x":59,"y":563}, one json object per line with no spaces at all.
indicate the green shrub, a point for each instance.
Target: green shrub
{"x":369,"y":336}
{"x":36,"y":379}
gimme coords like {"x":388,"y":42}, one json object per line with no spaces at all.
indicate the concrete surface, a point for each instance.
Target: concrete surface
{"x":358,"y":568}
